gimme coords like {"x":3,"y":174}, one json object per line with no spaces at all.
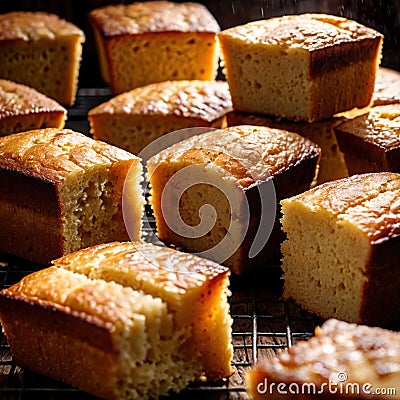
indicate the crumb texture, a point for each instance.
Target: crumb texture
{"x":145,"y":314}
{"x":331,"y":260}
{"x":42,"y":51}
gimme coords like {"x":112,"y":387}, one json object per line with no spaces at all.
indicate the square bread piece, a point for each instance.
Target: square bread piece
{"x":371,"y":142}
{"x":331,"y":165}
{"x":340,"y":259}
{"x":122,"y":320}
{"x":42,"y":51}
{"x":217,"y":193}
{"x":136,"y":118}
{"x":341,"y":361}
{"x":61,"y":191}
{"x":154,"y":41}
{"x":23,"y":108}
{"x":301,"y":67}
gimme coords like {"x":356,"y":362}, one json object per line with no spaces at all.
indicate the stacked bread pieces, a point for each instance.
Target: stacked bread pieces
{"x":122,"y":320}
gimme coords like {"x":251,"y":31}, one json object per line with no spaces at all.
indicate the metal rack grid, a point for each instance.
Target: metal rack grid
{"x":262,"y":323}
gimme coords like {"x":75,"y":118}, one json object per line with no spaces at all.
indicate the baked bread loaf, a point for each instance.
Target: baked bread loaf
{"x":147,"y":42}
{"x":332,"y":164}
{"x":23,"y":108}
{"x":341,"y":361}
{"x":387,"y":87}
{"x":339,"y":259}
{"x":211,"y":193}
{"x":136,"y":118}
{"x":61,"y":191}
{"x":286,"y":66}
{"x":122,"y":320}
{"x":371,"y":142}
{"x":42,"y":51}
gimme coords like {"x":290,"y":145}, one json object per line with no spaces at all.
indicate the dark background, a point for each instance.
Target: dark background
{"x":382,"y":15}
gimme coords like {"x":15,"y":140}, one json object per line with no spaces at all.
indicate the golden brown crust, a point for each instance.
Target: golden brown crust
{"x":20,"y":100}
{"x":359,"y":353}
{"x":52,"y":154}
{"x":154,"y":16}
{"x":380,"y":126}
{"x":176,"y":272}
{"x":35,"y":26}
{"x":203,"y":100}
{"x":371,"y":142}
{"x":305,"y":31}
{"x":247,"y":153}
{"x":368,"y":201}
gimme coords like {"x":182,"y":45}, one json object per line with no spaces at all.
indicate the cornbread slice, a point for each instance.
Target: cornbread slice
{"x":371,"y":142}
{"x":301,"y":67}
{"x":341,"y":361}
{"x":136,"y":118}
{"x":23,"y":108}
{"x":42,"y":51}
{"x":155,"y":41}
{"x":211,"y":192}
{"x":340,"y":257}
{"x":112,"y":340}
{"x":61,"y":191}
{"x":194,"y":289}
{"x":332,"y":164}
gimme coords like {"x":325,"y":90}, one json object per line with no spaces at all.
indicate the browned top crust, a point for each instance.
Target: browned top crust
{"x":106,"y":305}
{"x":153,"y":16}
{"x":170,"y":270}
{"x":52,"y":154}
{"x":368,"y":201}
{"x":17,"y":99}
{"x":305,"y":31}
{"x":380,"y":126}
{"x":205,"y":100}
{"x":363,"y":353}
{"x":387,"y":87}
{"x":245,"y":153}
{"x":35,"y":26}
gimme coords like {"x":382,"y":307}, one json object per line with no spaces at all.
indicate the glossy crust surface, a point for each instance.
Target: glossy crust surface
{"x":153,"y":16}
{"x":19,"y":100}
{"x":52,"y":154}
{"x":387,"y":87}
{"x":338,"y":350}
{"x":174,"y":271}
{"x":368,"y":201}
{"x":205,"y":100}
{"x":380,"y":126}
{"x":27,"y":26}
{"x":246,"y":153}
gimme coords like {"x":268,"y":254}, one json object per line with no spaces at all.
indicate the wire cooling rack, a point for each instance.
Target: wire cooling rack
{"x":262,"y":323}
